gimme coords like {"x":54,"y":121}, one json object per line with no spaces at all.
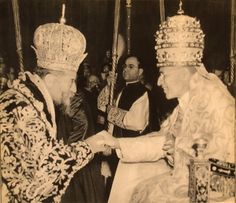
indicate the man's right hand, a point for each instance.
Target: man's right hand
{"x":110,"y":141}
{"x":102,"y":141}
{"x":96,"y":143}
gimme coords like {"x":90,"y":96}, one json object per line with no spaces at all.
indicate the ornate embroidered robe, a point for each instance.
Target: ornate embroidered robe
{"x":35,"y":167}
{"x":206,"y":111}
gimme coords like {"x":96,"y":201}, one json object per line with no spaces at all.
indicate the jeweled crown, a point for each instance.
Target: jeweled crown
{"x":59,"y":47}
{"x":179,"y":42}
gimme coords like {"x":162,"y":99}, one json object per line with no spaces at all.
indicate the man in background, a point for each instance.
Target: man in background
{"x":132,"y":114}
{"x":91,"y":91}
{"x":3,"y":77}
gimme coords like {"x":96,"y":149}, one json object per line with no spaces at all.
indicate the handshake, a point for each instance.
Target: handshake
{"x":102,"y":142}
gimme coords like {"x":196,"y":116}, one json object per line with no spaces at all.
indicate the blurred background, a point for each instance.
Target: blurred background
{"x":94,"y":18}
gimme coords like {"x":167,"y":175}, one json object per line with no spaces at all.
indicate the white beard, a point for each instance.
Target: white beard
{"x":66,"y":101}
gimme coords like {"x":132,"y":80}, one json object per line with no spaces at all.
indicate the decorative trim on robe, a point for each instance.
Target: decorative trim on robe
{"x":116,"y":116}
{"x":35,"y":167}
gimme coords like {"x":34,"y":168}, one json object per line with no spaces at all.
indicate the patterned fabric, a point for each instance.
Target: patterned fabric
{"x":87,"y":185}
{"x":103,"y":99}
{"x":116,"y":116}
{"x":208,"y":112}
{"x":65,"y":54}
{"x":35,"y":167}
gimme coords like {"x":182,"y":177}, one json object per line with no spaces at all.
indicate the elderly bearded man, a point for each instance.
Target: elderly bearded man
{"x":205,"y":111}
{"x":35,"y":167}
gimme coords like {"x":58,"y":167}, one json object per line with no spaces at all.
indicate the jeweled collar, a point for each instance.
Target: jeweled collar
{"x":38,"y":82}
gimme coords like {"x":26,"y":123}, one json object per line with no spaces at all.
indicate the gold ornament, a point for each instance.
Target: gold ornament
{"x":179,"y":41}
{"x":59,"y":47}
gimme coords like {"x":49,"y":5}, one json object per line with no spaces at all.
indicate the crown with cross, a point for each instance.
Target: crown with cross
{"x":58,"y":46}
{"x":179,"y":41}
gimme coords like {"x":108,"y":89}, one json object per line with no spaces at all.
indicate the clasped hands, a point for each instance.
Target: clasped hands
{"x":102,"y":142}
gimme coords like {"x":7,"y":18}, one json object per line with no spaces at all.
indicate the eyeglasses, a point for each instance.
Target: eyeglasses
{"x":129,"y":66}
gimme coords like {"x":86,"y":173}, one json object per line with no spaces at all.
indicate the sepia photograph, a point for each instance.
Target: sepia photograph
{"x":117,"y":101}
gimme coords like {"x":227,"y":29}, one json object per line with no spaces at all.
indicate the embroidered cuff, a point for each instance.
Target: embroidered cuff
{"x":116,"y":116}
{"x":103,"y":99}
{"x":83,"y":151}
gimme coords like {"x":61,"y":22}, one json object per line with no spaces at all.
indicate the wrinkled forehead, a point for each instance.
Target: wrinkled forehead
{"x":166,"y":69}
{"x":132,"y":60}
{"x":65,"y":74}
{"x":170,"y":69}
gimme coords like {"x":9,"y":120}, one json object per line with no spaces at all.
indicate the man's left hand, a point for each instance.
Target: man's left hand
{"x":97,"y":143}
